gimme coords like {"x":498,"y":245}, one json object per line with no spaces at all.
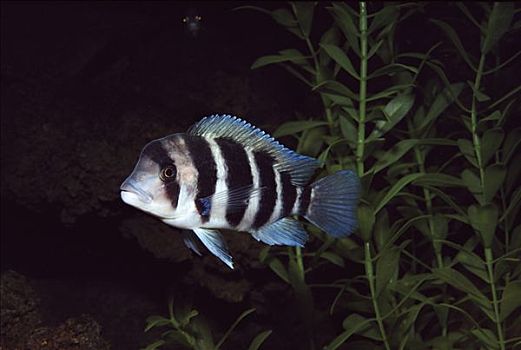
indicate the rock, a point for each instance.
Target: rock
{"x":82,"y":333}
{"x":19,"y":313}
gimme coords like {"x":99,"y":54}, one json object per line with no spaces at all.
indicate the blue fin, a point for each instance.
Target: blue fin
{"x":300,"y":167}
{"x":215,"y":243}
{"x":333,"y":204}
{"x":234,"y":200}
{"x":285,"y":231}
{"x":189,"y":239}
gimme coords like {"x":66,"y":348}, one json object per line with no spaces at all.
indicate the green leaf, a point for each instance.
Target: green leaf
{"x":444,"y":99}
{"x":259,"y":339}
{"x":392,"y":69}
{"x":440,"y":226}
{"x":385,"y":16}
{"x":233,"y":326}
{"x":393,"y":154}
{"x":348,"y":129}
{"x":439,"y":180}
{"x":312,"y":141}
{"x":393,"y":90}
{"x":382,"y":232}
{"x":401,"y":148}
{"x":304,"y":13}
{"x":487,"y":338}
{"x":336,"y":87}
{"x":185,"y":319}
{"x":155,"y":321}
{"x":495,"y":116}
{"x":345,"y":22}
{"x":473,"y":183}
{"x":291,"y":55}
{"x":467,"y":149}
{"x":179,"y":337}
{"x":394,"y":111}
{"x":294,"y":127}
{"x":358,"y":324}
{"x":484,"y":220}
{"x":512,"y":143}
{"x":511,"y":299}
{"x":374,"y":48}
{"x":490,"y":143}
{"x":480,"y":96}
{"x":498,"y":24}
{"x":333,"y":258}
{"x":494,"y":177}
{"x":276,"y":266}
{"x":366,"y":218}
{"x":514,"y":173}
{"x":459,"y":281}
{"x":339,"y":56}
{"x":155,"y":345}
{"x":473,"y":263}
{"x":386,"y":267}
{"x":284,"y":17}
{"x":340,"y":100}
{"x":397,"y":187}
{"x":453,"y":36}
{"x":331,"y":36}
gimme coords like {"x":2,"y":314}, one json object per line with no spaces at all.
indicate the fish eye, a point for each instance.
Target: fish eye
{"x":185,"y":19}
{"x":167,"y":173}
{"x":198,"y":18}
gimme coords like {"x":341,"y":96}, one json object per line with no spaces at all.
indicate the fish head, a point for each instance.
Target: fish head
{"x":154,"y":184}
{"x":192,"y":21}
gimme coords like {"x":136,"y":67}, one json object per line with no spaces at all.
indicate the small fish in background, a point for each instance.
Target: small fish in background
{"x":192,"y":22}
{"x":225,"y":173}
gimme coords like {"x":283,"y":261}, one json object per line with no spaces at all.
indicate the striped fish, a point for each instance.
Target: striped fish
{"x":225,"y":173}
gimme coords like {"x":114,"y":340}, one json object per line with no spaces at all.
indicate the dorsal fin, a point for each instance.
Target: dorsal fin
{"x":300,"y":167}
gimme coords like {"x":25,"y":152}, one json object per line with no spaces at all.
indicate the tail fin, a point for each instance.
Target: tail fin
{"x":333,"y":203}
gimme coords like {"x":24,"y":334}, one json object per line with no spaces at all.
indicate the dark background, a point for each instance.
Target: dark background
{"x":84,"y":86}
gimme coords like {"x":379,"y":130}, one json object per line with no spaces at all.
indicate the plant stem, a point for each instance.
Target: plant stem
{"x":477,"y":148}
{"x":419,"y":154}
{"x":474,"y":122}
{"x":362,"y":90}
{"x":370,"y":277}
{"x":490,"y":268}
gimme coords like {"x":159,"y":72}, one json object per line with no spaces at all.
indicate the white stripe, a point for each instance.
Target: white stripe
{"x":253,"y":205}
{"x":277,"y":211}
{"x":186,"y":214}
{"x":296,"y":205}
{"x":218,"y":208}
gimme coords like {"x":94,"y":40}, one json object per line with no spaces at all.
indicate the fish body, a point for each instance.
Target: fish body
{"x":225,"y":173}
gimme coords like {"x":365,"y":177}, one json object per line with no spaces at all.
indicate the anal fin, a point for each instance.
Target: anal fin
{"x":285,"y":231}
{"x":213,"y":240}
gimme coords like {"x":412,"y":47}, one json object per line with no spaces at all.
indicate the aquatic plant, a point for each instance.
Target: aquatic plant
{"x":439,"y":233}
{"x":191,"y":331}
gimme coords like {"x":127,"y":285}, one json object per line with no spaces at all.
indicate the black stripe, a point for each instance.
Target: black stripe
{"x":202,"y":157}
{"x":289,"y":193}
{"x":172,"y":192}
{"x":158,"y":154}
{"x":269,"y":195}
{"x":239,"y":175}
{"x":304,"y":200}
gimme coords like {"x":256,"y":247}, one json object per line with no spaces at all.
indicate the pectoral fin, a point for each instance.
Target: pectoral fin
{"x":215,"y":243}
{"x":189,"y":239}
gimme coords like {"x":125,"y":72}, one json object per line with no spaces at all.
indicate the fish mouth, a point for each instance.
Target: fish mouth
{"x":130,"y":190}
